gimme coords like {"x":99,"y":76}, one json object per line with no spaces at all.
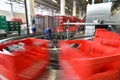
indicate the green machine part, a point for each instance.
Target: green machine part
{"x":3,"y":23}
{"x":14,"y":26}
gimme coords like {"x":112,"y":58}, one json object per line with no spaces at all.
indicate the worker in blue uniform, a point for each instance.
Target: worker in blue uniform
{"x":33,"y":28}
{"x":48,"y":33}
{"x":109,"y":28}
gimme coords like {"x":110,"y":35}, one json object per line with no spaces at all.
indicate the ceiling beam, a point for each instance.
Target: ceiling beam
{"x":47,"y":4}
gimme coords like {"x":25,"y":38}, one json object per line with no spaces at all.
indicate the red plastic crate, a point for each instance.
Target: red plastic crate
{"x":72,"y":28}
{"x":29,"y":64}
{"x":107,"y":38}
{"x":17,"y":19}
{"x":90,"y":61}
{"x":103,"y":33}
{"x":7,"y":68}
{"x":60,"y":29}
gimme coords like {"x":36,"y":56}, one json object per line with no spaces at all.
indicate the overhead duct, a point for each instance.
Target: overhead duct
{"x":96,"y":12}
{"x":104,"y":1}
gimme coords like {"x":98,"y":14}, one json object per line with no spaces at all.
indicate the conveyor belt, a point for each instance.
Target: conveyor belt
{"x":2,"y":40}
{"x":5,"y":39}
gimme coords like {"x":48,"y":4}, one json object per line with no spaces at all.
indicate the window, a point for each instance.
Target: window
{"x":17,"y":7}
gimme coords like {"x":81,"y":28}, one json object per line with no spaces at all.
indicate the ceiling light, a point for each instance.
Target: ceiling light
{"x":87,"y":0}
{"x":118,"y":8}
{"x":54,"y":1}
{"x":66,"y":7}
{"x":70,"y":10}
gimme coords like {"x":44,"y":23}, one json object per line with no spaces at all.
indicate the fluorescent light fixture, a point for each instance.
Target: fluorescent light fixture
{"x":70,"y":10}
{"x":118,"y":8}
{"x":54,"y":1}
{"x":66,"y":7}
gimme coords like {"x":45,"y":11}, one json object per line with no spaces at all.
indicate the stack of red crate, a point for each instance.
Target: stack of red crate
{"x":74,"y":19}
{"x":64,"y":19}
{"x":30,"y":63}
{"x":89,"y":61}
{"x":103,"y":33}
{"x":72,"y":28}
{"x":70,"y":18}
{"x":107,"y":38}
{"x":60,"y":20}
{"x":60,"y":29}
{"x":17,"y":19}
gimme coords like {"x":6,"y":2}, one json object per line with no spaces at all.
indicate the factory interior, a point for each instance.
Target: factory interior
{"x":60,"y":40}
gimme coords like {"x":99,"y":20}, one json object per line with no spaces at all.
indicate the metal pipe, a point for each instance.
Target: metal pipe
{"x":77,"y":28}
{"x":92,"y":24}
{"x":84,"y":36}
{"x":26,"y":14}
{"x":67,"y":29}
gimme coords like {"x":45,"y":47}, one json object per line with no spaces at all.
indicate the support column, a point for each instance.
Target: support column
{"x":30,"y":10}
{"x":62,"y":7}
{"x":74,"y":8}
{"x":83,"y":14}
{"x":12,"y":13}
{"x":52,"y":12}
{"x":80,"y":12}
{"x":93,"y":1}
